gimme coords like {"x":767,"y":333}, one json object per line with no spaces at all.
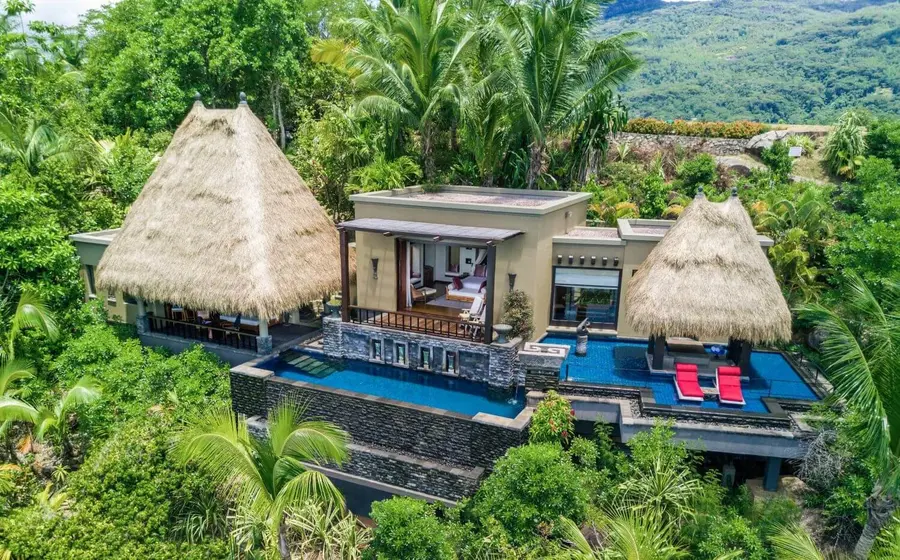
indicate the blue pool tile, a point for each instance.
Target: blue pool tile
{"x":619,"y":362}
{"x":415,"y":387}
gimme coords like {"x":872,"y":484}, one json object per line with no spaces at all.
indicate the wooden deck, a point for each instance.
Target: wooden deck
{"x":443,"y":325}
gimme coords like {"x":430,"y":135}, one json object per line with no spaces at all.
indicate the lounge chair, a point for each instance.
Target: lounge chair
{"x":474,"y":309}
{"x":686,"y":384}
{"x":728,"y":382}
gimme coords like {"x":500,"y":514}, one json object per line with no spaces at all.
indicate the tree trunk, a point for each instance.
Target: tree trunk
{"x":283,"y":549}
{"x":487,"y":180}
{"x":279,"y":117}
{"x":428,"y":153}
{"x":880,"y":508}
{"x":535,"y":163}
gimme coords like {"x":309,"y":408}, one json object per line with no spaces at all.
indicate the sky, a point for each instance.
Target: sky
{"x":63,"y":12}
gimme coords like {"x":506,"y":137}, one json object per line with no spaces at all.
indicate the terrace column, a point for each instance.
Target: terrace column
{"x":345,"y":276}
{"x":489,"y":296}
{"x":263,"y":341}
{"x":772,"y":474}
{"x":659,"y":351}
{"x":143,"y":323}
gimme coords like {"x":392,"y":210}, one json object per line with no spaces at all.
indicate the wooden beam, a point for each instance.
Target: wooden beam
{"x":489,"y":300}
{"x":345,"y":277}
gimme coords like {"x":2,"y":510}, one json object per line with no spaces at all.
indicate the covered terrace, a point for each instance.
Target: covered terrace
{"x":225,"y":243}
{"x":453,"y":297}
{"x":708,"y":280}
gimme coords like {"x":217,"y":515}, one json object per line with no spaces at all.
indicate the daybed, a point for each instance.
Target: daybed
{"x":465,"y":289}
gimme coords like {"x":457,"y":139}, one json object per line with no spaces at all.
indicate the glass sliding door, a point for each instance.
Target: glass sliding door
{"x":580,"y":294}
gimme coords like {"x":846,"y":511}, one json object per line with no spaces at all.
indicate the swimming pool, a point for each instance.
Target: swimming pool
{"x":620,"y":362}
{"x":401,"y":384}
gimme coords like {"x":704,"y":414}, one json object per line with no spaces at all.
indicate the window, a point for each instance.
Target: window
{"x":376,"y":350}
{"x":89,"y":273}
{"x":580,"y":294}
{"x":425,"y":358}
{"x":129,"y":299}
{"x":453,"y":264}
{"x":450,"y":362}
{"x":400,"y":354}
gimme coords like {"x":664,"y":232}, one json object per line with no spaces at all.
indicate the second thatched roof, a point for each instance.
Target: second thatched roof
{"x":709,"y":278}
{"x":224,"y":223}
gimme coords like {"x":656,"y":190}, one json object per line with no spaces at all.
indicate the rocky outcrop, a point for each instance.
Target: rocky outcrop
{"x":714,"y":146}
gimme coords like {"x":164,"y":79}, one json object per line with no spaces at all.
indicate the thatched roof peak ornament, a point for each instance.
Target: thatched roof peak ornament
{"x":243,"y":98}
{"x":709,"y":278}
{"x":225,"y":223}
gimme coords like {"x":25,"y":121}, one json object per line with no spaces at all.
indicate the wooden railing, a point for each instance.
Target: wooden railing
{"x":418,"y":323}
{"x":203,"y":333}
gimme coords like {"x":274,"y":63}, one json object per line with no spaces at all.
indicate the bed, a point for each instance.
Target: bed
{"x":465,"y":289}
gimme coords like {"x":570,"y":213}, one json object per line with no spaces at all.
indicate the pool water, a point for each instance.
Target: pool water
{"x":619,"y":362}
{"x":411,"y":386}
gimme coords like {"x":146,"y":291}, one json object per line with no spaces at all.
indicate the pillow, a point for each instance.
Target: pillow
{"x":483,"y":286}
{"x":454,"y":268}
{"x":480,"y":270}
{"x":457,"y":284}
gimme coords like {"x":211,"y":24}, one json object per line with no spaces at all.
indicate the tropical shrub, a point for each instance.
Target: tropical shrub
{"x":883,"y":141}
{"x":845,"y":145}
{"x":519,"y":314}
{"x":408,"y":528}
{"x":698,"y":171}
{"x":736,"y":129}
{"x":122,"y":504}
{"x":730,"y":533}
{"x":655,"y":197}
{"x":382,"y":175}
{"x":873,"y":174}
{"x":778,"y":160}
{"x":553,"y":420}
{"x":530,"y":488}
{"x":801,"y":141}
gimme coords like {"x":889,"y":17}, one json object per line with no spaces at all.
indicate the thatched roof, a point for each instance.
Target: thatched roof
{"x":225,"y":223}
{"x":709,"y":278}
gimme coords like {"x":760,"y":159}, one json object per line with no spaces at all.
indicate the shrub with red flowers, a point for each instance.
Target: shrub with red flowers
{"x":553,"y":421}
{"x":736,"y":129}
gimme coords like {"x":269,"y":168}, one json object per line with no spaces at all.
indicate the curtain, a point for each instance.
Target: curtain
{"x":409,"y":296}
{"x":416,"y":258}
{"x":480,"y":255}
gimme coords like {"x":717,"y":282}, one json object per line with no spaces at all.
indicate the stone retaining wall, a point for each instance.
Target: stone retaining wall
{"x":428,"y":477}
{"x":427,"y":432}
{"x":714,"y":146}
{"x":494,"y":364}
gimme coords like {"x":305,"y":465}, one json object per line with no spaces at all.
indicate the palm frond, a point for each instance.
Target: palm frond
{"x":11,"y":371}
{"x":16,"y":410}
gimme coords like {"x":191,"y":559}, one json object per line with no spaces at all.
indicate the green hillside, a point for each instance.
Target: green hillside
{"x":766,"y":60}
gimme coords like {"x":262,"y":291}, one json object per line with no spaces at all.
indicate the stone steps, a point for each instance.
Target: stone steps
{"x":309,"y":364}
{"x":386,"y":467}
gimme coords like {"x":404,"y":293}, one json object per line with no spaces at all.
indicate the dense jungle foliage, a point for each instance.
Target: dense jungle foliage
{"x":770,"y":61}
{"x":103,"y":443}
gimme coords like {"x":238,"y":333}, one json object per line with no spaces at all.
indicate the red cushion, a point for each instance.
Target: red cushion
{"x":687,"y":384}
{"x":686,"y":367}
{"x":480,"y":270}
{"x":729,"y":381}
{"x":729,"y":370}
{"x":731,"y":393}
{"x":457,"y":283}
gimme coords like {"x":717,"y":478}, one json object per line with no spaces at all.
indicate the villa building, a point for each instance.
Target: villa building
{"x":646,"y":321}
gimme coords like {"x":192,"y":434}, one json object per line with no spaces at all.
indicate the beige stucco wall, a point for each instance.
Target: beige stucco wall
{"x":635,"y":253}
{"x":114,"y":303}
{"x":529,"y":256}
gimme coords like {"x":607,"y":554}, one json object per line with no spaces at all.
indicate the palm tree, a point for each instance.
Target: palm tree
{"x":861,"y":355}
{"x":53,"y":423}
{"x":266,"y":476}
{"x":406,"y":65}
{"x":29,"y":312}
{"x":563,"y":79}
{"x":794,"y":543}
{"x":31,"y":141}
{"x":628,"y":534}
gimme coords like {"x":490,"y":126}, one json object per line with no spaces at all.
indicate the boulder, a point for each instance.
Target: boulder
{"x":765,"y":140}
{"x":740,"y":165}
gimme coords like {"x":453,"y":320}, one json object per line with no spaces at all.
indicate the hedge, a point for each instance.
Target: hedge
{"x":736,"y":129}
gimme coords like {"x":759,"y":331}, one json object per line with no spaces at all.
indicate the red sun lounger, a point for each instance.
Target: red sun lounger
{"x":686,"y":384}
{"x":728,"y":382}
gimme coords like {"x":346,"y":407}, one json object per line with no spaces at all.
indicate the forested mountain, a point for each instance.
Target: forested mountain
{"x":767,"y":60}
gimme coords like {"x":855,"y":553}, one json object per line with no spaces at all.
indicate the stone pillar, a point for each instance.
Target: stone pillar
{"x":503,"y":363}
{"x":143,"y":322}
{"x":263,"y":341}
{"x":332,"y":337}
{"x":773,"y":473}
